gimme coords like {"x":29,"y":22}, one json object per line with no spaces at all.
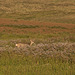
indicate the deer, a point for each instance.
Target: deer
{"x":20,"y":45}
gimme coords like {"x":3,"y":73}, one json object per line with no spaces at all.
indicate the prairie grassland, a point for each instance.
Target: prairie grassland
{"x":12,"y":63}
{"x":54,"y":50}
{"x":49,"y":55}
{"x":50,"y":10}
{"x":52,"y":53}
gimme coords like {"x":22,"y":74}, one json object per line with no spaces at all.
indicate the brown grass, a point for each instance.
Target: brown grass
{"x":6,"y":25}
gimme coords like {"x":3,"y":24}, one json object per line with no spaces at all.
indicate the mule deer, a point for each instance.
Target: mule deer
{"x":24,"y":45}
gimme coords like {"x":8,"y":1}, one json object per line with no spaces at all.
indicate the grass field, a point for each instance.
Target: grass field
{"x":52,"y":54}
{"x":50,"y":24}
{"x":59,"y":11}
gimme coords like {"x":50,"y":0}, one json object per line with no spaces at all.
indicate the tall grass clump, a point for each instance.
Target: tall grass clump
{"x":20,"y":26}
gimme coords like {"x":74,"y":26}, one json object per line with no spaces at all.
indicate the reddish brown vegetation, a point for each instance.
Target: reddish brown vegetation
{"x":44,"y":27}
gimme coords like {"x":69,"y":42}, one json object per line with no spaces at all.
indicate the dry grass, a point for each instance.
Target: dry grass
{"x":52,"y":11}
{"x":63,"y":50}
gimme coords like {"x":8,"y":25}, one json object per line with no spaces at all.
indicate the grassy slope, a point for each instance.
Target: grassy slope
{"x":12,"y":63}
{"x":25,"y":65}
{"x":49,"y":10}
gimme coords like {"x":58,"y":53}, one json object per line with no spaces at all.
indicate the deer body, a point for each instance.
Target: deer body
{"x":21,"y":45}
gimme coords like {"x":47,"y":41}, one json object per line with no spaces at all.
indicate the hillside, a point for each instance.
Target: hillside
{"x":41,"y":10}
{"x":49,"y":25}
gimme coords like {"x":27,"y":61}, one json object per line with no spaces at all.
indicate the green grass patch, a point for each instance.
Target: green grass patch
{"x":58,"y":27}
{"x":11,"y":36}
{"x":15,"y":64}
{"x":62,"y":35}
{"x":20,"y":26}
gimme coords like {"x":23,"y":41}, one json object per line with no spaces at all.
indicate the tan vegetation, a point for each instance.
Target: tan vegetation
{"x":50,"y":10}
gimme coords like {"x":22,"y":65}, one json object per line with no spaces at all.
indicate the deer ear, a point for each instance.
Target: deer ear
{"x":30,"y":40}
